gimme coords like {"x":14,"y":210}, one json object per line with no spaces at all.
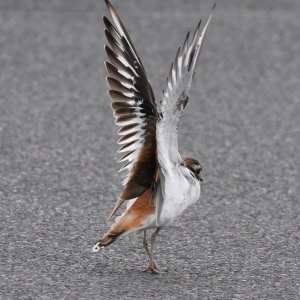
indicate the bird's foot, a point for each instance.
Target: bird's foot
{"x":155,"y":270}
{"x":151,"y":270}
{"x":160,"y":270}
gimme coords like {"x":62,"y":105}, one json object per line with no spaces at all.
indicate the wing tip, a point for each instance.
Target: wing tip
{"x":111,"y":9}
{"x":210,"y":16}
{"x":104,"y":19}
{"x":107,"y":3}
{"x":199,"y":24}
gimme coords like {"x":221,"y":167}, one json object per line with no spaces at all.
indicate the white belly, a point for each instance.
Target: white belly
{"x":181,"y":190}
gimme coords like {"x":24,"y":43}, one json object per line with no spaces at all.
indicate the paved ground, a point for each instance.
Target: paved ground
{"x":58,"y":142}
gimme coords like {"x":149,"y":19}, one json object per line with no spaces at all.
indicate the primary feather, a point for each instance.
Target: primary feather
{"x":176,"y":95}
{"x":134,"y":108}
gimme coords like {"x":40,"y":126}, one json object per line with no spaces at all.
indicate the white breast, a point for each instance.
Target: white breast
{"x":181,"y":190}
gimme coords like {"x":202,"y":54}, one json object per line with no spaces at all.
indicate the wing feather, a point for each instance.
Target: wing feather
{"x":174,"y":100}
{"x":114,"y":72}
{"x":134,"y":108}
{"x":176,"y":96}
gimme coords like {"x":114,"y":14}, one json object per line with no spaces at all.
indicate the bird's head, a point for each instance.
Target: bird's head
{"x":194,"y":166}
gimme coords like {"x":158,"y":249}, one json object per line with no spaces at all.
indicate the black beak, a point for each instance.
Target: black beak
{"x":200,"y":177}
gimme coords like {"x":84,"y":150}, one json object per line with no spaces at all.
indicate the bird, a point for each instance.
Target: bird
{"x":160,"y":184}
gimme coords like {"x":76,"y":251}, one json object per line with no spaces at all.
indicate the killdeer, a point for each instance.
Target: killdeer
{"x":159,"y":185}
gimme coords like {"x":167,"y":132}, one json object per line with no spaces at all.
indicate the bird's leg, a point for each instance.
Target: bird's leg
{"x":153,"y":240}
{"x":152,"y":265}
{"x":145,"y":243}
{"x":151,"y":268}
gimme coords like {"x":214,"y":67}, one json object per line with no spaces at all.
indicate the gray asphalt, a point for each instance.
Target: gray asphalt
{"x":58,"y":179}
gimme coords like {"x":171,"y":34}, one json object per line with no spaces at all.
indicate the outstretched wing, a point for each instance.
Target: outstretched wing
{"x":176,"y":96}
{"x":134,"y":108}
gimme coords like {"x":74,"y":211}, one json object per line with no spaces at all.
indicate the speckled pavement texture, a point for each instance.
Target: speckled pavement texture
{"x":58,"y":179}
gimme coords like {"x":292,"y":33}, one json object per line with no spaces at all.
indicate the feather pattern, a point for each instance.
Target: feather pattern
{"x":159,"y":185}
{"x":176,"y":95}
{"x":174,"y":99}
{"x":134,"y":108}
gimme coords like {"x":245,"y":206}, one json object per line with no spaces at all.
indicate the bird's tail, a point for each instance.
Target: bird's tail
{"x":130,"y":221}
{"x":108,"y":238}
